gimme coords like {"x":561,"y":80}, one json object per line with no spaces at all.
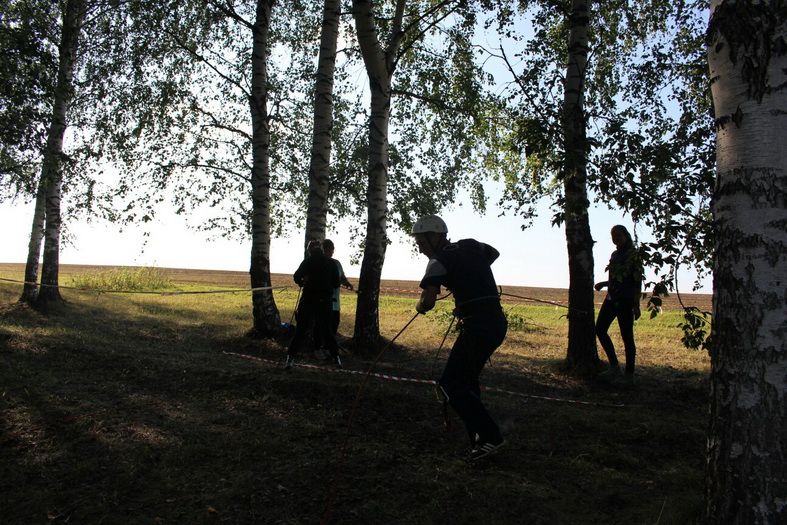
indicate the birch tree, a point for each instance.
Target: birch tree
{"x":320,"y":158}
{"x":747,"y":440}
{"x":606,"y":127}
{"x":47,"y":213}
{"x":380,"y":61}
{"x":439,"y":142}
{"x":234,"y":146}
{"x":100,"y":49}
{"x":265,"y":313}
{"x":581,"y":351}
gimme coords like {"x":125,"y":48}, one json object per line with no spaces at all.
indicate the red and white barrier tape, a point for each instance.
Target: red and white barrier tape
{"x":400,"y":379}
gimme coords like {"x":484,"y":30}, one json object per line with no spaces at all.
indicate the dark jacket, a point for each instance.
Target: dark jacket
{"x":465,"y":270}
{"x":318,"y":276}
{"x":625,"y":275}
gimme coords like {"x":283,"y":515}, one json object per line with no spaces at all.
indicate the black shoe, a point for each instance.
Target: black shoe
{"x":289,"y":363}
{"x":483,"y":449}
{"x":337,"y":361}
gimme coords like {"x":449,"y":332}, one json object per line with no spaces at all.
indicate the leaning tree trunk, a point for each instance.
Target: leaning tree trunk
{"x":319,"y":166}
{"x":30,"y":289}
{"x":265,"y":313}
{"x":746,"y":477}
{"x":52,"y":174}
{"x":582,"y":354}
{"x":380,"y":65}
{"x":367,"y":316}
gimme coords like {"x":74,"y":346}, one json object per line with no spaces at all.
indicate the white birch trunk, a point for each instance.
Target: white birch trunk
{"x":380,"y":65}
{"x":319,"y":166}
{"x":30,"y":289}
{"x":746,"y":481}
{"x":582,"y":354}
{"x":264,"y":311}
{"x":51,"y":173}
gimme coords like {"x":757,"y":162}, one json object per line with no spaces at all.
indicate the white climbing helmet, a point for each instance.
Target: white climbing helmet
{"x":429,"y":223}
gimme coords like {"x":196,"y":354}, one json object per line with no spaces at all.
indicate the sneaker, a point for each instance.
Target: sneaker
{"x":337,"y":361}
{"x":289,"y":363}
{"x":484,"y":449}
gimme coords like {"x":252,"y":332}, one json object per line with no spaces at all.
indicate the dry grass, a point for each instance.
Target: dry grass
{"x":124,"y":409}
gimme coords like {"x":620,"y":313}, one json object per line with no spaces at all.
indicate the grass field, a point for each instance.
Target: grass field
{"x":124,"y":408}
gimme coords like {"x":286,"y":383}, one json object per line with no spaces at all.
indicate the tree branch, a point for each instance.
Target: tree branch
{"x":229,"y":10}
{"x":202,"y":59}
{"x":215,"y":123}
{"x":199,"y":165}
{"x":429,"y":26}
{"x":429,"y":100}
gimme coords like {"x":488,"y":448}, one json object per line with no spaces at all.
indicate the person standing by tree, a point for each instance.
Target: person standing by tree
{"x":318,"y":276}
{"x":464,"y":268}
{"x":328,"y":248}
{"x":623,"y":292}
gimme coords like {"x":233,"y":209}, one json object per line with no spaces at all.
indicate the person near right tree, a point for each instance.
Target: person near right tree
{"x":624,"y":286}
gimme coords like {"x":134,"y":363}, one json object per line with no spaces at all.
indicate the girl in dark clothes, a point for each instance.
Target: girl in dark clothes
{"x":622,"y":301}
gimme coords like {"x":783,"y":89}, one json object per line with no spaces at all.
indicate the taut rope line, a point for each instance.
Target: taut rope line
{"x":143,"y":292}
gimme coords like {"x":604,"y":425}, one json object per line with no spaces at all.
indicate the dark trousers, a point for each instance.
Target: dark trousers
{"x":318,"y":313}
{"x":322,"y":343}
{"x":479,"y":337}
{"x":623,"y":310}
{"x":335,"y":318}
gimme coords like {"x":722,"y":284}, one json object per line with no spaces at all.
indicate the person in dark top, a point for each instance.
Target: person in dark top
{"x":464,"y":268}
{"x":318,"y":276}
{"x":328,"y":248}
{"x":623,"y":293}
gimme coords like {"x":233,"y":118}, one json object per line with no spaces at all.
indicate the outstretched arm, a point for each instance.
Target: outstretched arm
{"x":428,"y":299}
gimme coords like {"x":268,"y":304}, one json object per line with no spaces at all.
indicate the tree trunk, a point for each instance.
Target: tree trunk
{"x":746,"y":477}
{"x":582,"y":354}
{"x":264,"y":310}
{"x":52,"y":174}
{"x":380,"y":65}
{"x":367,"y":318}
{"x":30,"y":289}
{"x":319,"y":166}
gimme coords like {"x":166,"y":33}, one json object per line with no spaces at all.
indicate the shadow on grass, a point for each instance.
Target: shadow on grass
{"x":115,"y":418}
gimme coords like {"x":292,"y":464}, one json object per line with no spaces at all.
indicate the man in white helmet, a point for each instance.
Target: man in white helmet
{"x":464,"y":268}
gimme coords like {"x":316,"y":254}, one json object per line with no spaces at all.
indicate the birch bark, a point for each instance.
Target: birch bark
{"x":319,"y":167}
{"x":380,"y":65}
{"x":51,"y":173}
{"x":264,"y":310}
{"x":746,"y":478}
{"x":582,"y":354}
{"x":30,"y":289}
